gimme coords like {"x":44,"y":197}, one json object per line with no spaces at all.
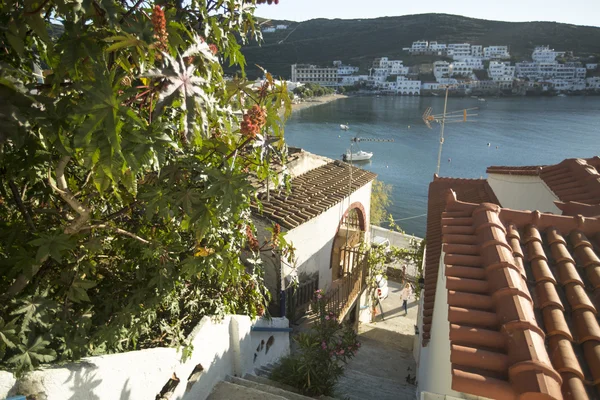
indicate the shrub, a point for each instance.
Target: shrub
{"x":324,"y":349}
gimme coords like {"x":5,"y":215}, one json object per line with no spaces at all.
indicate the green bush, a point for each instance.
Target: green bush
{"x":317,"y":366}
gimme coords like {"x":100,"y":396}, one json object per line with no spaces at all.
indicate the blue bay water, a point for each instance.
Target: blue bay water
{"x":527,"y":131}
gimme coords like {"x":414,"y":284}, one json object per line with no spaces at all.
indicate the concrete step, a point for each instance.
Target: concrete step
{"x":267,"y":381}
{"x":356,"y":385}
{"x":267,"y":388}
{"x":230,"y":391}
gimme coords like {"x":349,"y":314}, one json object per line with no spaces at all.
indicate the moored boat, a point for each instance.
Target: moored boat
{"x":357,"y":156}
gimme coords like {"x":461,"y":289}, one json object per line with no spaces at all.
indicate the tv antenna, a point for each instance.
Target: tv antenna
{"x":445,"y":118}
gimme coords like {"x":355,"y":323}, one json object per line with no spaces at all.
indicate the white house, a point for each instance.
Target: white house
{"x":346,"y":70}
{"x":591,"y":66}
{"x":268,"y":29}
{"x":282,"y":27}
{"x":496,"y":52}
{"x":473,"y":61}
{"x":460,"y":68}
{"x":408,"y":87}
{"x":437,"y":48}
{"x":501,"y":71}
{"x":477,"y":50}
{"x":544,"y":54}
{"x":499,"y":315}
{"x":418,"y":47}
{"x":441,"y":69}
{"x":315,"y":216}
{"x":458,"y":50}
{"x":430,"y":86}
{"x":353,"y":79}
{"x":592,"y":83}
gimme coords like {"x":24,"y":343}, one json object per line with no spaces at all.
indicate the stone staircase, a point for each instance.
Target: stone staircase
{"x":257,"y":386}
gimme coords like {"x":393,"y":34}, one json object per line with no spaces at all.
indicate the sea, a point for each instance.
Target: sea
{"x":502,"y":131}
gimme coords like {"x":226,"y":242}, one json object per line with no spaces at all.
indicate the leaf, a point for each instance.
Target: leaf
{"x":8,"y":335}
{"x":203,"y":252}
{"x":32,"y":353}
{"x":50,"y":245}
{"x":130,"y":182}
{"x":37,"y":23}
{"x":122,"y":42}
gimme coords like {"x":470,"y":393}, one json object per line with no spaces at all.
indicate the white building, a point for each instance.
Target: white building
{"x":408,"y":87}
{"x":500,"y":71}
{"x":458,"y":50}
{"x":352,"y":80}
{"x":477,"y":50}
{"x":437,"y":48}
{"x":390,"y":67}
{"x":441,"y":69}
{"x":268,"y":29}
{"x":591,"y":66}
{"x":496,"y":52}
{"x":283,"y":27}
{"x":346,"y":69}
{"x":430,"y":86}
{"x":306,"y":73}
{"x":592,"y":83}
{"x":460,"y":68}
{"x":544,"y":54}
{"x":473,"y":62}
{"x":418,"y":47}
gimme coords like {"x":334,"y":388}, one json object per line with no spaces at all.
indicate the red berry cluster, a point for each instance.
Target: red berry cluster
{"x":253,"y":121}
{"x":267,"y":1}
{"x":159,"y":22}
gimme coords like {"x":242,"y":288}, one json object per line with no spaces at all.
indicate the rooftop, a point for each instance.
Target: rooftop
{"x":312,"y":193}
{"x":471,"y":190}
{"x":522,"y":301}
{"x":572,"y":180}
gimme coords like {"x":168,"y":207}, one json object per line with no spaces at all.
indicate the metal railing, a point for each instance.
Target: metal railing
{"x":297,"y":298}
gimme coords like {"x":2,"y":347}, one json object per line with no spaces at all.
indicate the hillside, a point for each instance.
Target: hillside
{"x":358,"y":41}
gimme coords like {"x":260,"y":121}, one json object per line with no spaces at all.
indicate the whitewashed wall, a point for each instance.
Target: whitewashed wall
{"x":435,"y":374}
{"x":227,"y":347}
{"x":522,"y":192}
{"x":313,"y":240}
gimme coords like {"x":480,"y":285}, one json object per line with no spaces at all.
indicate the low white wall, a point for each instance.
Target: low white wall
{"x":522,"y":192}
{"x":222,"y":348}
{"x":397,"y":239}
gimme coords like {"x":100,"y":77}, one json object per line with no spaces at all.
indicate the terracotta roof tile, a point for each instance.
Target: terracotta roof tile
{"x":471,"y":190}
{"x":529,"y":330}
{"x":312,"y":193}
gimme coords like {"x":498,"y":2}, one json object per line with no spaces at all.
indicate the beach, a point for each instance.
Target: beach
{"x":315,"y":101}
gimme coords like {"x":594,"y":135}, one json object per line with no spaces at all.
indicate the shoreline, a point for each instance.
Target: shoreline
{"x":316,"y":101}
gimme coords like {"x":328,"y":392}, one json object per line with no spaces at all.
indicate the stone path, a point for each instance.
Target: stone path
{"x":384,"y":361}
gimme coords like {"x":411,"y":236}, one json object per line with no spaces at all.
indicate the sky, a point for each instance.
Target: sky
{"x":579,"y":12}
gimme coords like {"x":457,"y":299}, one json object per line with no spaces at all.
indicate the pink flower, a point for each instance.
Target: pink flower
{"x":327,"y":317}
{"x":324,"y":345}
{"x":342,"y":351}
{"x":358,"y":344}
{"x":319,"y":296}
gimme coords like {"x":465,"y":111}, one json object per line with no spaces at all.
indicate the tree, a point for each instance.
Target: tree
{"x":380,"y":200}
{"x":124,"y":171}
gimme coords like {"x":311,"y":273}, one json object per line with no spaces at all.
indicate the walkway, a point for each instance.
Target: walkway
{"x":384,"y":361}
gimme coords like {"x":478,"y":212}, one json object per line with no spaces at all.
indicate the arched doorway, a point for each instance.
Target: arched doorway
{"x":350,"y":234}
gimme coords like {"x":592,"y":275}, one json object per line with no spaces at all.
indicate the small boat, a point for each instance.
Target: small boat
{"x":562,"y":95}
{"x":344,"y":127}
{"x":481,"y":99}
{"x":357,"y":156}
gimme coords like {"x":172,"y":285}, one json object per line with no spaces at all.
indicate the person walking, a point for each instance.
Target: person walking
{"x":405,"y":294}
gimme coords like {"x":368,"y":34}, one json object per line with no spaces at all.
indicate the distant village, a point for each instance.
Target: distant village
{"x":463,"y":68}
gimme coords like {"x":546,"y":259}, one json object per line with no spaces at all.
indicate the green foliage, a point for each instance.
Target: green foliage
{"x":309,"y":90}
{"x":359,"y":41}
{"x":124,"y":172}
{"x":323,"y":350}
{"x":380,"y":201}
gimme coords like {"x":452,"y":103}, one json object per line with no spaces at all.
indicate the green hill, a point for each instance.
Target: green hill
{"x":358,"y":41}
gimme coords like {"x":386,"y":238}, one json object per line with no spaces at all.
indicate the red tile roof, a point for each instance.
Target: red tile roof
{"x":523,"y":291}
{"x":471,"y":190}
{"x":312,"y":193}
{"x":574,"y":179}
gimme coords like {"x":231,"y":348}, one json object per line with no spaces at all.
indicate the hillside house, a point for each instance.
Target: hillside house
{"x":325,"y":216}
{"x":515,"y":291}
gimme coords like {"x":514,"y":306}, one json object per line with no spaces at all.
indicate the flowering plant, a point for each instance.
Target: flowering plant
{"x":318,"y":364}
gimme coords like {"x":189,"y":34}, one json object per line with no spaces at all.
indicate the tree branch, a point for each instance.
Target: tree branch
{"x":117,"y":230}
{"x":63,"y":190}
{"x":132,"y":9}
{"x":19,"y":201}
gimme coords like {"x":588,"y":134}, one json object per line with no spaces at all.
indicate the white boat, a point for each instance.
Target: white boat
{"x":481,"y":99}
{"x":561,"y":95}
{"x":357,"y":156}
{"x":344,"y":127}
